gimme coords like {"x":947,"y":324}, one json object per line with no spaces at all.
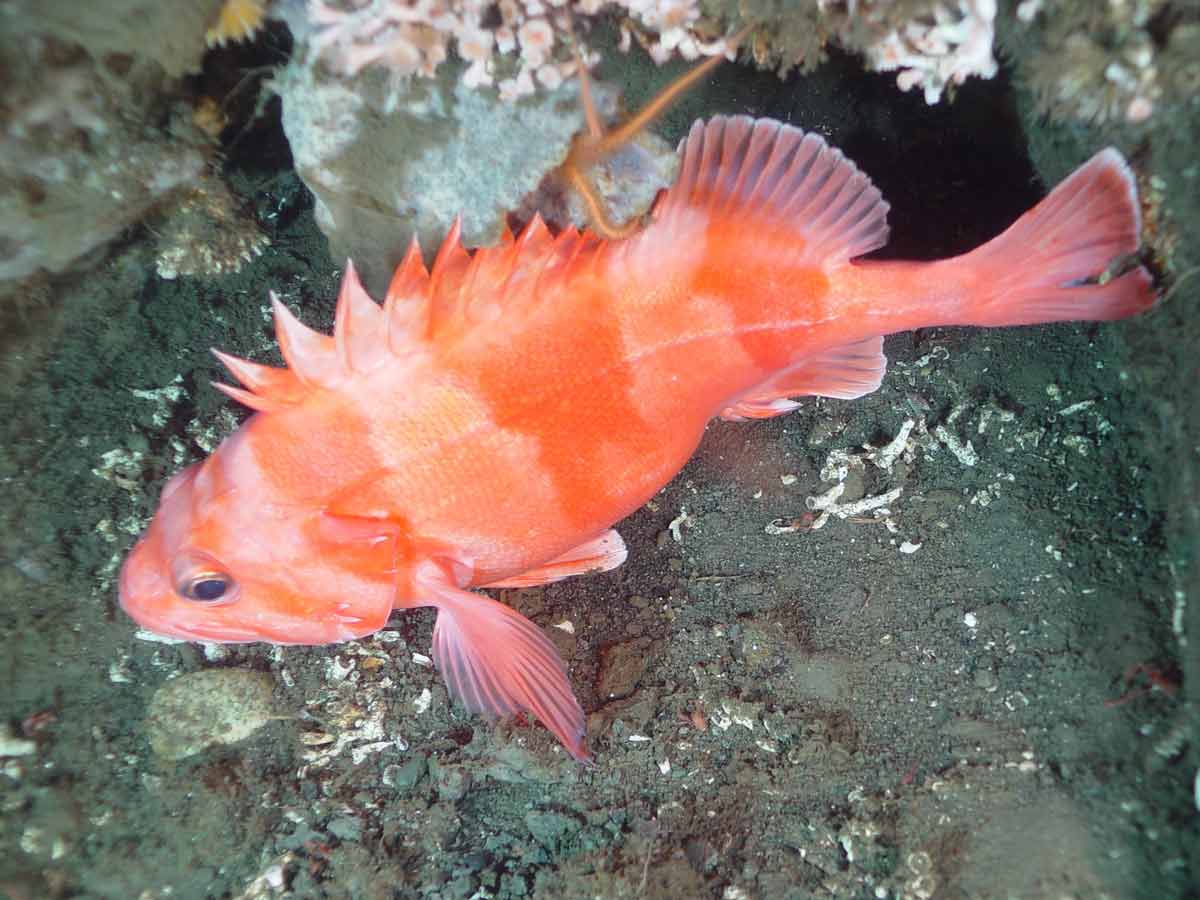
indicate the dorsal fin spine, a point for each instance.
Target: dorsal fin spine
{"x":341,"y":320}
{"x":468,"y":289}
{"x":410,"y":271}
{"x":250,"y":374}
{"x":308,"y":353}
{"x":259,"y":402}
{"x":543,"y":265}
{"x":576,"y":249}
{"x":446,"y":256}
{"x":450,"y":246}
{"x":406,"y":306}
{"x":511,"y":254}
{"x":533,"y":230}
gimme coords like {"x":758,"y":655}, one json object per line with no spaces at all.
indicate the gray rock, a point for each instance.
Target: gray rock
{"x":83,"y":151}
{"x":387,"y":162}
{"x":404,"y":777}
{"x":345,"y":828}
{"x":384,"y":166}
{"x":549,"y":828}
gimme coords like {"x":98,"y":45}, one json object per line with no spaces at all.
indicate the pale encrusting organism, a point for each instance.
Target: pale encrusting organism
{"x":237,"y":20}
{"x":489,"y":423}
{"x":519,"y":46}
{"x":1108,"y":63}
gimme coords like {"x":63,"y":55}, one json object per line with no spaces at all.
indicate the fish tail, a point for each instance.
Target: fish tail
{"x":1072,"y":257}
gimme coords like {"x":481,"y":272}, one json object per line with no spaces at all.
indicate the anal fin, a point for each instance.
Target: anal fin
{"x":845,"y":372}
{"x":600,"y":554}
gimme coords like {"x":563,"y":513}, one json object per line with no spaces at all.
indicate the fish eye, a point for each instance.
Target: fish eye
{"x":207,"y":587}
{"x":200,"y":578}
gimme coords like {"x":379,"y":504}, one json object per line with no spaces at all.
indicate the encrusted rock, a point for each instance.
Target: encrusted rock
{"x":206,"y":234}
{"x":214,"y":706}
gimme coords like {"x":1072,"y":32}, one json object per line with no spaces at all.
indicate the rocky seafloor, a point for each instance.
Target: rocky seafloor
{"x":989,"y":692}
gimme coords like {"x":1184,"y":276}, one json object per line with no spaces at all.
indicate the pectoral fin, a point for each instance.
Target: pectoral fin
{"x":597,"y":555}
{"x":497,"y":662}
{"x":362,"y":543}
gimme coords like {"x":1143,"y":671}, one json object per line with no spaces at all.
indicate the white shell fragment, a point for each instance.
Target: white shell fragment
{"x":12,"y":745}
{"x":421,"y":704}
{"x":677,"y":523}
{"x":964,"y":453}
{"x":214,"y":706}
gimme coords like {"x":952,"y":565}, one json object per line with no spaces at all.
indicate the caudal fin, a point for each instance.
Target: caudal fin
{"x":1071,"y":257}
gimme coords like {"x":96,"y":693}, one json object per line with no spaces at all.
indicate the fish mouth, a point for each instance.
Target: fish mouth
{"x":216,"y":634}
{"x":221,"y":633}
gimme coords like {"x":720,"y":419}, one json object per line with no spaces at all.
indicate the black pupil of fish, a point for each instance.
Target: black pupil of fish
{"x":209,"y":589}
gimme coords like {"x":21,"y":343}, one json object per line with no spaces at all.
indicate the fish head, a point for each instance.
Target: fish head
{"x":222,"y":562}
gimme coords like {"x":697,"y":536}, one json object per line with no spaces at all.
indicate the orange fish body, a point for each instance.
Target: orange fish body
{"x":489,"y":423}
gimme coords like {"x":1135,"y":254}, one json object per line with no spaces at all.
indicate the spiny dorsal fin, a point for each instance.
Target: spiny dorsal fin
{"x":469,"y":290}
{"x":446,"y":278}
{"x":780,"y":181}
{"x":533,"y":241}
{"x":460,"y":292}
{"x":560,"y":260}
{"x":358,"y":326}
{"x":309,"y":355}
{"x":267,"y":388}
{"x":406,"y":305}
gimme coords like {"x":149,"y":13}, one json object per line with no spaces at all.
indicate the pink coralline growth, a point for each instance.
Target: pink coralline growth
{"x":519,"y":46}
{"x":530,"y":46}
{"x":952,"y":42}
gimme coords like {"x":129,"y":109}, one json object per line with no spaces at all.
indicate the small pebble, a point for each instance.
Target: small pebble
{"x":404,"y":777}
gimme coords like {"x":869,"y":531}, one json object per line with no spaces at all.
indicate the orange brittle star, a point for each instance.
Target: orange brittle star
{"x":595,"y":145}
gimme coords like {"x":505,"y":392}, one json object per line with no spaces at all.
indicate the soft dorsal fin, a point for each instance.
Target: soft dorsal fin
{"x":774,"y":178}
{"x":846,"y":373}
